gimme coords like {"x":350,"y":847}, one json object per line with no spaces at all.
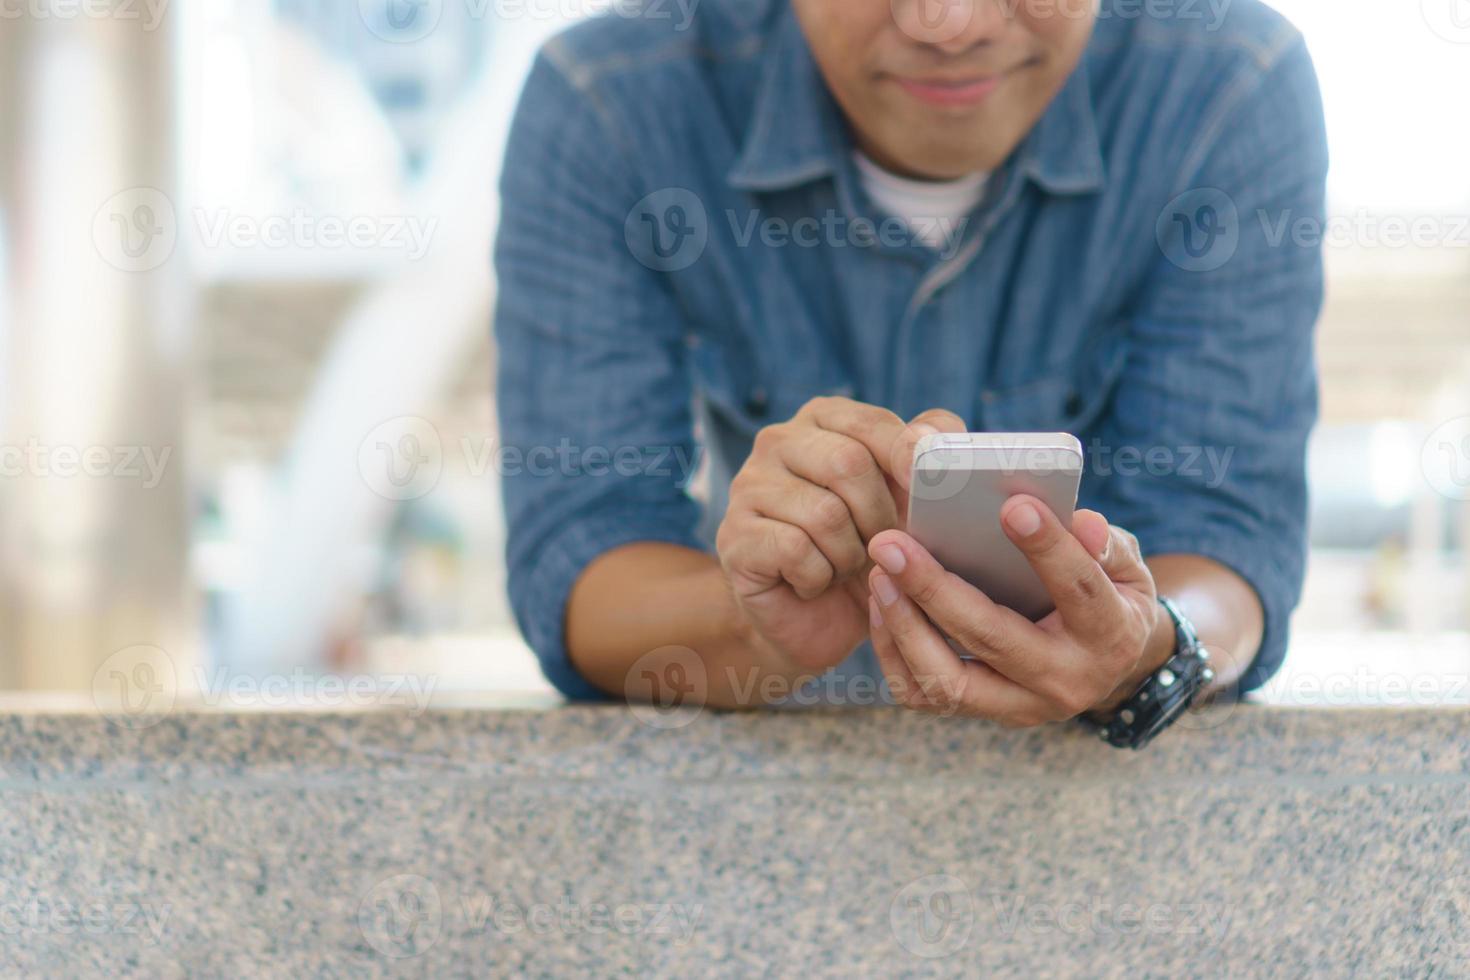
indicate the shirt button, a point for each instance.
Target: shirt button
{"x":757,"y":403}
{"x":1073,"y":405}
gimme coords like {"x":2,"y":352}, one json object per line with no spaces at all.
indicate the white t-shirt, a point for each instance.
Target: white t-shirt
{"x":933,"y":210}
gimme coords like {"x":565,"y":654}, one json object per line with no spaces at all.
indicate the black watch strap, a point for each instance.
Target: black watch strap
{"x":1167,"y":694}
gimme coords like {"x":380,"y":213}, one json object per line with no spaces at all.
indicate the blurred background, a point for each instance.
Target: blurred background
{"x":246,"y":407}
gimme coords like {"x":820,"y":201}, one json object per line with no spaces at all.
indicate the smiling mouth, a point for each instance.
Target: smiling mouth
{"x":953,"y":92}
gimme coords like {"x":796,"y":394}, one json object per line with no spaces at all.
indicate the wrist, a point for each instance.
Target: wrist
{"x":1157,"y":649}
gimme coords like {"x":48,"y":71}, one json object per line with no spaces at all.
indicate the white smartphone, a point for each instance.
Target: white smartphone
{"x":959,"y":484}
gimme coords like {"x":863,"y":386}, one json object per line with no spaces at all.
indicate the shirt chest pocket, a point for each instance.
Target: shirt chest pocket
{"x":746,"y":400}
{"x":1071,"y":398}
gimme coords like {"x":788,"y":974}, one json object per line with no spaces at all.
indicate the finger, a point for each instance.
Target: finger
{"x":878,"y":429}
{"x":949,"y":683}
{"x":1000,"y":637}
{"x":1116,"y":550}
{"x":900,"y":679}
{"x":1087,"y":600}
{"x":846,"y":467}
{"x":761,"y":554}
{"x":822,"y":514}
{"x":900,"y":470}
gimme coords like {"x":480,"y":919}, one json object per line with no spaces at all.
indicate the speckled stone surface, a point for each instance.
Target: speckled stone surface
{"x":585,"y":841}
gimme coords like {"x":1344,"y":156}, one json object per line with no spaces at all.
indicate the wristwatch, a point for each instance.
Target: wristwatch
{"x":1167,"y":694}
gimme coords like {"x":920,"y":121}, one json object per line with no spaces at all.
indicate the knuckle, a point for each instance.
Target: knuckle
{"x":829,"y":512}
{"x":925,"y":588}
{"x":976,"y":636}
{"x":767,"y":439}
{"x":788,"y":543}
{"x":850,"y":461}
{"x":942,"y":419}
{"x":1091,"y":584}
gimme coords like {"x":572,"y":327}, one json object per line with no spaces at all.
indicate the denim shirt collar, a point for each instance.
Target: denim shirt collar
{"x":797,"y":133}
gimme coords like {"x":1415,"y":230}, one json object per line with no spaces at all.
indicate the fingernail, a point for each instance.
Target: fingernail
{"x":884,"y":588}
{"x":875,"y":618}
{"x":1024,"y":520}
{"x":922,"y":429}
{"x":890,"y":556}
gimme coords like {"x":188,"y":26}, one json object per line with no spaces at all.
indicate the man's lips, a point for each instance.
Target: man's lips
{"x":951,"y":91}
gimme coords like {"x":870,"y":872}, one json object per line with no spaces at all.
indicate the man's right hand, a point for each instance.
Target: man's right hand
{"x":813,"y":492}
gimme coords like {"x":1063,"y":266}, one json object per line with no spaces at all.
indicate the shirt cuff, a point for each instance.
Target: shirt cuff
{"x":1277,"y":591}
{"x":539,"y":590}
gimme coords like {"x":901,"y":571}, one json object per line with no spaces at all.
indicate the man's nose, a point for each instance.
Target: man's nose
{"x":954,"y":26}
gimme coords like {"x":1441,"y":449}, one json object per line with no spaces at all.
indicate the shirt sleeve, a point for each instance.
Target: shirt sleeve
{"x":594,"y":399}
{"x":1220,"y":383}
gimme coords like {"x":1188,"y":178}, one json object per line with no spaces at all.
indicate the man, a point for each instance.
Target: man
{"x":818,"y":229}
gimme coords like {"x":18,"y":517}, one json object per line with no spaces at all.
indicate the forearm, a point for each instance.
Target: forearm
{"x":648,"y":596}
{"x":1224,"y":608}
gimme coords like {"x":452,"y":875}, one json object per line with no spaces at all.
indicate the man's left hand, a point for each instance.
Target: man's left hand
{"x":1107,"y":634}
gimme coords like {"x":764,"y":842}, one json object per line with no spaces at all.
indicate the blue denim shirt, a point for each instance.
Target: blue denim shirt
{"x":686,"y":255}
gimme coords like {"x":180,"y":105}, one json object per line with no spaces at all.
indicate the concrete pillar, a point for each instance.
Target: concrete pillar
{"x":93,"y":531}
